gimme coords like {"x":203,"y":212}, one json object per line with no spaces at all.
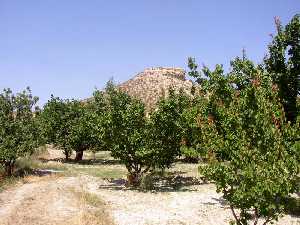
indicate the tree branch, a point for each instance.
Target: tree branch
{"x":267,"y":220}
{"x":256,"y":216}
{"x":234,"y":214}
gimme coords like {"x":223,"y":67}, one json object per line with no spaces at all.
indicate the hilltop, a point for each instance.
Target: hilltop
{"x":154,"y":83}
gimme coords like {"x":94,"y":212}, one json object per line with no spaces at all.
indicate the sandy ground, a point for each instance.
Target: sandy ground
{"x":41,"y":201}
{"x":48,"y":201}
{"x":199,"y":204}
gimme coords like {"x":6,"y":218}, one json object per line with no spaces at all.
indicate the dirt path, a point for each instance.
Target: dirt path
{"x":45,"y":201}
{"x":50,"y":200}
{"x":86,"y":197}
{"x":39,"y":202}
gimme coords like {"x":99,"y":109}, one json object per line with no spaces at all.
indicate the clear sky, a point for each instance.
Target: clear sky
{"x":69,"y":47}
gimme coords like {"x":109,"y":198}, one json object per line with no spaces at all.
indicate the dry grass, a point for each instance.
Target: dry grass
{"x":33,"y":179}
{"x":93,"y":210}
{"x":89,"y":218}
{"x":8,"y":182}
{"x":52,"y":200}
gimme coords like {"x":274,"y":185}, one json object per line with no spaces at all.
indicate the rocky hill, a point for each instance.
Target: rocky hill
{"x":154,"y":83}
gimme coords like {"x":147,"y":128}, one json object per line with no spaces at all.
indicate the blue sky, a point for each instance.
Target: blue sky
{"x":68,"y":47}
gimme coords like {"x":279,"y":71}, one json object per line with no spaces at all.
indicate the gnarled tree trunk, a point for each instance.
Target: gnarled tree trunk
{"x":67,"y":155}
{"x":9,"y":167}
{"x":133,"y":179}
{"x":79,"y":155}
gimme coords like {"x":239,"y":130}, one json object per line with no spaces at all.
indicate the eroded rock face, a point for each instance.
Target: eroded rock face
{"x":178,"y":73}
{"x":153,"y":84}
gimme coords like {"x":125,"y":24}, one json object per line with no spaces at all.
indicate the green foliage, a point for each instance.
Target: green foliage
{"x":247,"y":128}
{"x":243,"y":71}
{"x":19,"y":130}
{"x":80,"y":138}
{"x":251,"y":149}
{"x":121,"y":128}
{"x":166,"y":129}
{"x":99,"y":121}
{"x":120,"y":125}
{"x":65,"y":125}
{"x":283,"y":64}
{"x":191,"y":144}
{"x":190,"y":154}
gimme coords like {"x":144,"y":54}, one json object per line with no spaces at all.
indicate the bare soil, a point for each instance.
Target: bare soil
{"x":53,"y":199}
{"x":45,"y":201}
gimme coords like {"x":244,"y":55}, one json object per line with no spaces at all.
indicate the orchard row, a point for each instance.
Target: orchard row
{"x":243,"y":124}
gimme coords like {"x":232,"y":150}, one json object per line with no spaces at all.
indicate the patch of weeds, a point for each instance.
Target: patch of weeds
{"x":8,"y":182}
{"x":92,"y":199}
{"x":20,"y":171}
{"x":26,"y":164}
{"x":33,"y":164}
{"x":148,"y":182}
{"x":292,"y":206}
{"x":232,"y":222}
{"x":98,"y":215}
{"x":28,"y":167}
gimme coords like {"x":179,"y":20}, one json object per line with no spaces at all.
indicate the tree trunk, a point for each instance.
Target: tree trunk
{"x":67,"y":155}
{"x":133,"y":179}
{"x":79,"y":155}
{"x":9,"y":167}
{"x":190,"y":159}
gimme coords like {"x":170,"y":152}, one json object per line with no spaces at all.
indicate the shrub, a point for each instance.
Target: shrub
{"x":148,"y":182}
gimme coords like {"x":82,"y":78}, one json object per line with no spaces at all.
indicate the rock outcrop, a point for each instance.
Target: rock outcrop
{"x":153,"y":84}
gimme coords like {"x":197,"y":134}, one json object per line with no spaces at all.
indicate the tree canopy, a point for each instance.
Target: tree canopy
{"x":19,"y":130}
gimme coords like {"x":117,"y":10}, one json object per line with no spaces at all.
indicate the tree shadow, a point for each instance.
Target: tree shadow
{"x":157,"y":184}
{"x":116,"y":184}
{"x":176,"y":183}
{"x":43,"y":160}
{"x":84,"y":161}
{"x":221,"y":201}
{"x":23,"y":172}
{"x":96,"y":162}
{"x":292,"y":205}
{"x":186,"y":160}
